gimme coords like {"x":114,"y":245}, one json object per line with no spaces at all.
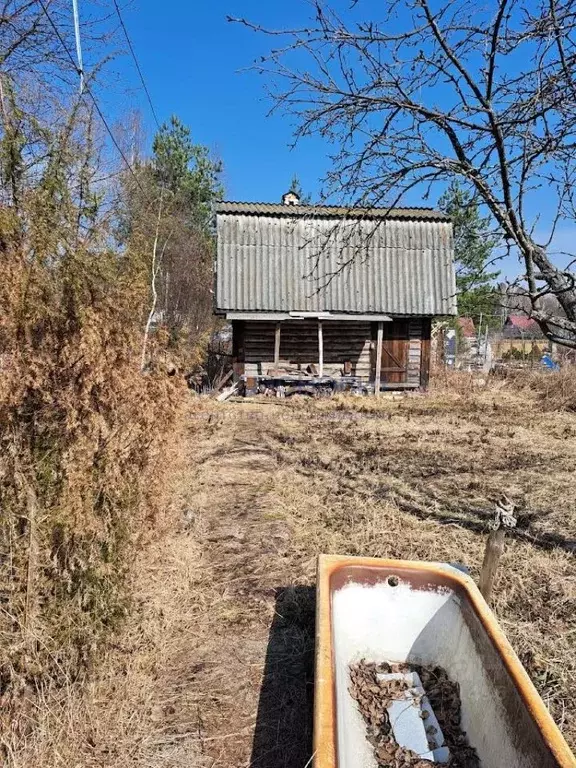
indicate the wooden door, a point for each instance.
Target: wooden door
{"x":395,"y":343}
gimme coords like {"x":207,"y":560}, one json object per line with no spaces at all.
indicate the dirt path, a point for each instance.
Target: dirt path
{"x":251,"y":655}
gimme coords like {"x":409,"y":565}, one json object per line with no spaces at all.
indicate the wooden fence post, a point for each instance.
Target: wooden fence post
{"x":495,"y":546}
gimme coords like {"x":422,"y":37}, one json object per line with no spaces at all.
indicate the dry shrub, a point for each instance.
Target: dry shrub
{"x":463,"y":383}
{"x":443,"y":379}
{"x":556,"y":390}
{"x":81,"y":434}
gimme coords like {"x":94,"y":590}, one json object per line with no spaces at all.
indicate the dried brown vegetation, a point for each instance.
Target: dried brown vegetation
{"x":216,"y":668}
{"x":81,"y":434}
{"x":86,"y":405}
{"x":374,"y":695}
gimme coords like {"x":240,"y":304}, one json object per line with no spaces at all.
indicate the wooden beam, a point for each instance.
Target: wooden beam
{"x":379,"y":340}
{"x":277,"y":347}
{"x":348,"y":317}
{"x":320,"y":350}
{"x":425,"y":351}
{"x":495,"y":545}
{"x":492,"y":555}
{"x":238,"y":355}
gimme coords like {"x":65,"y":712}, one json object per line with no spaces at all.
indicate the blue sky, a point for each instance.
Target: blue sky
{"x":192,"y":60}
{"x":196,"y":65}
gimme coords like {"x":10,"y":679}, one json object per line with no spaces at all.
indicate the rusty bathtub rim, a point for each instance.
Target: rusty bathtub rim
{"x":324,"y":697}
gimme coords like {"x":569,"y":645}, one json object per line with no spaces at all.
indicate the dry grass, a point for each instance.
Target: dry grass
{"x":216,"y":668}
{"x":82,"y":433}
{"x":119,"y":716}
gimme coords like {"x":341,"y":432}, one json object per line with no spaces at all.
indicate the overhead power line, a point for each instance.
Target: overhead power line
{"x":139,"y":69}
{"x":89,"y":92}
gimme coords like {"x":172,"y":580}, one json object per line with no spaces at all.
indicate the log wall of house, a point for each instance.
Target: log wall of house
{"x":299,"y":346}
{"x":414,"y":351}
{"x":419,"y":332}
{"x":342,"y":341}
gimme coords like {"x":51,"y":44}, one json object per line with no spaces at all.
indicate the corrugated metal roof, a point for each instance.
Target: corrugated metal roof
{"x":518,"y":326}
{"x":329,"y":211}
{"x":281,"y":264}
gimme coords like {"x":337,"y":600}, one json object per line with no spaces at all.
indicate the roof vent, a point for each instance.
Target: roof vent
{"x":290,"y":198}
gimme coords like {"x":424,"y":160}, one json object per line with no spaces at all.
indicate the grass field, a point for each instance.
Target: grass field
{"x":215,"y":667}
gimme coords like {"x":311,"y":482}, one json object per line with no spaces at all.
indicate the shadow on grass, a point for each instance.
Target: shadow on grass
{"x":283,"y":734}
{"x":545,"y":540}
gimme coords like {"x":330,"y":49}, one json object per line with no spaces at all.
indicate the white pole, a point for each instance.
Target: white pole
{"x":320,"y":349}
{"x":379,"y":339}
{"x":78,"y":43}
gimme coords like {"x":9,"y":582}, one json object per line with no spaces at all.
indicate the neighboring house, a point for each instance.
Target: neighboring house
{"x":467,"y":328}
{"x":514,"y":302}
{"x":332,"y":294}
{"x":521,"y":336}
{"x":521,"y":327}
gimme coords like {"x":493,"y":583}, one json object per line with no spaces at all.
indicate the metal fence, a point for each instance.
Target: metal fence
{"x":493,"y":347}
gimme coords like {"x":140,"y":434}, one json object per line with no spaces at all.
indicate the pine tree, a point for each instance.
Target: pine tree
{"x":296,"y":187}
{"x":185,"y":169}
{"x":473,"y":250}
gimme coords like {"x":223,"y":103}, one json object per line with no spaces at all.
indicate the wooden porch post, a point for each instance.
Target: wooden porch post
{"x":379,"y":339}
{"x":425,"y":351}
{"x":320,"y":349}
{"x":238,"y":354}
{"x":277,"y":347}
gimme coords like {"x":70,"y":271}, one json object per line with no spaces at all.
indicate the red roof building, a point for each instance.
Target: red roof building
{"x":467,"y":327}
{"x":522,"y":326}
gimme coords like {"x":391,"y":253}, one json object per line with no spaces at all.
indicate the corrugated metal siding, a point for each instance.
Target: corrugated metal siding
{"x":280,"y":264}
{"x":299,"y":346}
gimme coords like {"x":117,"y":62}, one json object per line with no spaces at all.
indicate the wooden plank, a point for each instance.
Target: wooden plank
{"x":257,"y":316}
{"x":425,"y":352}
{"x":332,"y":317}
{"x":379,"y":342}
{"x":492,"y":555}
{"x":320,"y":349}
{"x":223,"y":380}
{"x":228,"y":392}
{"x":238,"y":352}
{"x":395,"y":346}
{"x":415,"y":327}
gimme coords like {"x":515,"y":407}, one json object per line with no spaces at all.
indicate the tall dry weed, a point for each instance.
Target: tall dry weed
{"x":81,"y":440}
{"x":556,"y":390}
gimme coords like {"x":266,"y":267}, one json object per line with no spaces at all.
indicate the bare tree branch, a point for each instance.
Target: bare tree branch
{"x":434,"y":90}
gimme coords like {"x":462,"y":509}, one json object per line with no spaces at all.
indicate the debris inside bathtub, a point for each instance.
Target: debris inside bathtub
{"x":412,"y":715}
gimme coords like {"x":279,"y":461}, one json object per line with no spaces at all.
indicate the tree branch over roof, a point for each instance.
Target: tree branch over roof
{"x":437,"y":90}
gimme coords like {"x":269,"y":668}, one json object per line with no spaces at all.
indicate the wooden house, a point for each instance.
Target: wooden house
{"x":332,"y":297}
{"x":521,"y":337}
